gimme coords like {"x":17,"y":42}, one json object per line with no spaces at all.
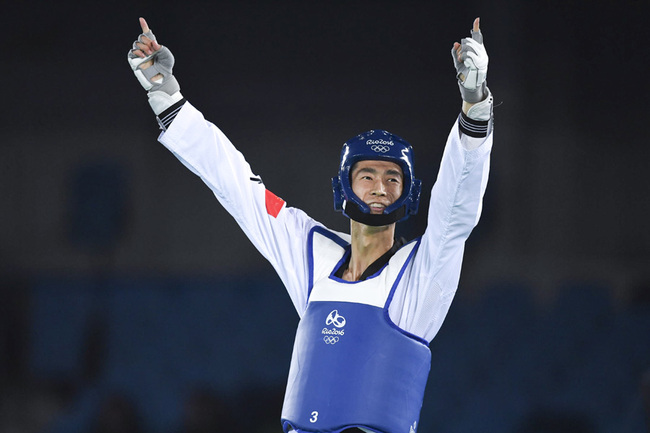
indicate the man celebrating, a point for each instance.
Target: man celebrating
{"x":369,"y":305}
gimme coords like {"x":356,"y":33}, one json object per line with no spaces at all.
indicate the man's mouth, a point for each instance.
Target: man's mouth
{"x":376,"y":208}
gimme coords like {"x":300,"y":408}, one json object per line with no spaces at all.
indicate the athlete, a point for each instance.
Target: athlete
{"x":369,"y":305}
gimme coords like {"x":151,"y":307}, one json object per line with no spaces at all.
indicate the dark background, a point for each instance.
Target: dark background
{"x":101,"y":224}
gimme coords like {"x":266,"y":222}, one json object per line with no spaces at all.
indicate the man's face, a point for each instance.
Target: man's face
{"x":377,"y":183}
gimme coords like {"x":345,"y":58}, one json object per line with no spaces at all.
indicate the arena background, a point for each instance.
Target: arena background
{"x":131,"y":301}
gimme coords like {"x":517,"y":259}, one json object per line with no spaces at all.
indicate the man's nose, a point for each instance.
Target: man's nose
{"x":379,"y":188}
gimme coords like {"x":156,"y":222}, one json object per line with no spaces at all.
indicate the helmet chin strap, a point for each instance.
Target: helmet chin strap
{"x":353,"y":212}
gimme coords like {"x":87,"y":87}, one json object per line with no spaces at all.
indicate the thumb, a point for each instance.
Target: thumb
{"x":476,"y":31}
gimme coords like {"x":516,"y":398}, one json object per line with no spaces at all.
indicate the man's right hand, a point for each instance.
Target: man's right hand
{"x":152,"y":65}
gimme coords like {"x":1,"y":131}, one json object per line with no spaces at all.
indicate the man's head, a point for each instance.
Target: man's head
{"x":375,"y":185}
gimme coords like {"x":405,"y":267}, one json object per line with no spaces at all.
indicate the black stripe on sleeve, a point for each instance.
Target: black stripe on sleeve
{"x":167,"y":117}
{"x":473,"y":128}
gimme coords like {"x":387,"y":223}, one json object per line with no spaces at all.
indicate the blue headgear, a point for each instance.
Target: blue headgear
{"x":384,"y":146}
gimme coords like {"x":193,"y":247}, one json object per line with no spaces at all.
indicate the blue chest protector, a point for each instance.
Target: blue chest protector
{"x":352,"y":367}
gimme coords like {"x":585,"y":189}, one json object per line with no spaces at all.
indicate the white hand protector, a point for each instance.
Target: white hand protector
{"x":163,"y":88}
{"x":471,"y":70}
{"x":482,"y":110}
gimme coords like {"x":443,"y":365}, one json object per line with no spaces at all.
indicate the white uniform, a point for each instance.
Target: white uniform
{"x":427,"y":287}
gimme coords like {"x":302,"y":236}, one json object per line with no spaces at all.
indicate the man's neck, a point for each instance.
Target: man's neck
{"x":368,"y":244}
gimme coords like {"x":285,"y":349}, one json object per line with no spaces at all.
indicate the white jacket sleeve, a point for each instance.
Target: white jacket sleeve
{"x":277,"y":231}
{"x":424,"y":294}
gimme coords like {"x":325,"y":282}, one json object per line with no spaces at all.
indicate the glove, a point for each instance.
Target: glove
{"x":471,"y":70}
{"x":163,"y":88}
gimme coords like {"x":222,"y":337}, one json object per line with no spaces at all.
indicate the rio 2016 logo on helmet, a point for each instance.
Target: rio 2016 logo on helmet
{"x":384,"y":146}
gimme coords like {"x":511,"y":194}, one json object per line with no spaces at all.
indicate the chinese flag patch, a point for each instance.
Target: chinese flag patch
{"x":273,"y":204}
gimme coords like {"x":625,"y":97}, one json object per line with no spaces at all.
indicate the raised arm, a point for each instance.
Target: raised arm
{"x":277,"y":231}
{"x":456,"y":197}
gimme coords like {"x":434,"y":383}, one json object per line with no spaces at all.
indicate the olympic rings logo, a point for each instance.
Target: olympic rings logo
{"x":379,"y":148}
{"x":335,"y":319}
{"x":328,"y":339}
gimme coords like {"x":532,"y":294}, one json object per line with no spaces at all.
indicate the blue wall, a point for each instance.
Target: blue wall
{"x":501,"y":363}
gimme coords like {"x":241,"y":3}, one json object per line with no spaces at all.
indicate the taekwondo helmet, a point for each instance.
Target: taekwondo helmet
{"x":384,"y":146}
